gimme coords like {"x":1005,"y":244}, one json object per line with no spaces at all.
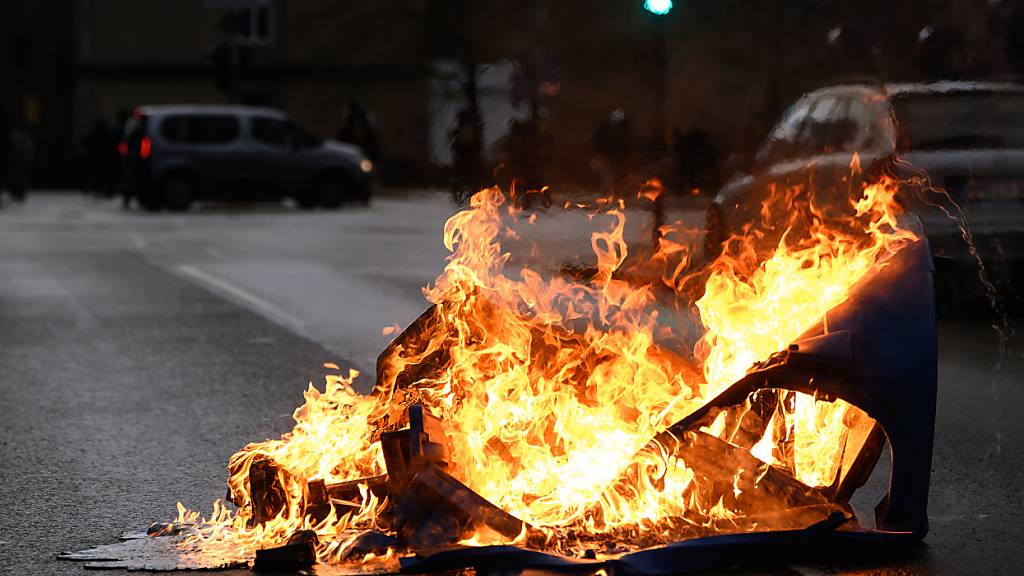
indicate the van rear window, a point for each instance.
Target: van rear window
{"x":200,"y":129}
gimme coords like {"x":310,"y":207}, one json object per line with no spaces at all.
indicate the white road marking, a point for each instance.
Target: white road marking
{"x":244,"y":297}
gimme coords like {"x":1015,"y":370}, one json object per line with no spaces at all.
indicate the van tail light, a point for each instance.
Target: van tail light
{"x":145,"y":147}
{"x":122,"y":148}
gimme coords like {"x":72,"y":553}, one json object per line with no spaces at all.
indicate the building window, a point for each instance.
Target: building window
{"x":255,"y":24}
{"x":251,"y":21}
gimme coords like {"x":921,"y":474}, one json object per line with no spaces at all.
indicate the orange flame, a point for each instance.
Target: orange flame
{"x":550,"y":387}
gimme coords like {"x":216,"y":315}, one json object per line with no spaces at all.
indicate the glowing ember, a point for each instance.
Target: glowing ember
{"x":549,"y":388}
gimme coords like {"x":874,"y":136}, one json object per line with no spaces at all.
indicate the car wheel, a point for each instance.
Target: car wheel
{"x":332,"y":191}
{"x":305,"y":200}
{"x":179,"y":190}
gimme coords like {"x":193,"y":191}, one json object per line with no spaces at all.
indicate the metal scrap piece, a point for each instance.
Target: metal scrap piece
{"x":436,"y":510}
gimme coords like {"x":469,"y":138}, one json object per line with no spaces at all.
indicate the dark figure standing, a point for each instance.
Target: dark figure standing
{"x":5,"y":145}
{"x":525,"y":149}
{"x":466,"y":144}
{"x":853,"y":54}
{"x":1008,"y":22}
{"x":941,"y":53}
{"x":357,"y":128}
{"x":696,"y":159}
{"x":611,"y":147}
{"x":99,"y":147}
{"x":20,"y":158}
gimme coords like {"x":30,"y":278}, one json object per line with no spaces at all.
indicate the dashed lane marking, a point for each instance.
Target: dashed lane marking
{"x":243,"y":297}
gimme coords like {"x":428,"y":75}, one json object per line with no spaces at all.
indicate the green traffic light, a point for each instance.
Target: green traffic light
{"x":659,"y":7}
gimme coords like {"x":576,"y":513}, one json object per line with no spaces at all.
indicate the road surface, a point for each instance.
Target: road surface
{"x":138,"y":351}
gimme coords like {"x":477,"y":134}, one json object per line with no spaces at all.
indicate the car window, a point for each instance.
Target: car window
{"x":844,"y":124}
{"x":963,"y":120}
{"x":873,"y":122}
{"x":782,"y":142}
{"x":817,"y":131}
{"x":200,"y":129}
{"x":300,"y":138}
{"x":270,"y":131}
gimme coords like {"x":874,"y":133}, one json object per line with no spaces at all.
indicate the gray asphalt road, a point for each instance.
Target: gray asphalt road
{"x":124,"y":389}
{"x":137,"y":352}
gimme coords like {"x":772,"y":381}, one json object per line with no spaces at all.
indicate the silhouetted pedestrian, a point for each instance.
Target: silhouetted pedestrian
{"x":696,"y":159}
{"x":611,"y":148}
{"x":466,"y":144}
{"x":20,"y":159}
{"x":1007,"y":21}
{"x":357,"y":127}
{"x":5,"y":145}
{"x":854,"y":54}
{"x":941,"y":53}
{"x":99,"y":147}
{"x":525,"y":149}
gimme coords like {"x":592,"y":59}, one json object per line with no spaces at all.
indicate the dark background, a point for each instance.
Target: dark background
{"x":138,"y":351}
{"x":730,"y":66}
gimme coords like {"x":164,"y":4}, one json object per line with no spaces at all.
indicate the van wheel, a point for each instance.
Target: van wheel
{"x":332,"y":191}
{"x":149,"y":201}
{"x":179,"y":190}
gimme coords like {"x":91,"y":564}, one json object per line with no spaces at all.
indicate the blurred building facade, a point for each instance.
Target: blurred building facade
{"x":312,"y":59}
{"x":37,"y":71}
{"x":730,"y":66}
{"x":288,"y":55}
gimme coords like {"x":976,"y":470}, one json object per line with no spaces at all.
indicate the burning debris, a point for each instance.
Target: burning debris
{"x":529,"y":422}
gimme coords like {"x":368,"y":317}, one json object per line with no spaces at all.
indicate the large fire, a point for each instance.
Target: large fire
{"x":552,"y":387}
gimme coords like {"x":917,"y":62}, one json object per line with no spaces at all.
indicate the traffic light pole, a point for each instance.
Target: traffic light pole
{"x":658,"y":147}
{"x":660,"y":80}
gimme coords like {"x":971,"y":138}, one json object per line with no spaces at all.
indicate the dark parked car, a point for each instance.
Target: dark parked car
{"x":177,"y":154}
{"x":967,"y":137}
